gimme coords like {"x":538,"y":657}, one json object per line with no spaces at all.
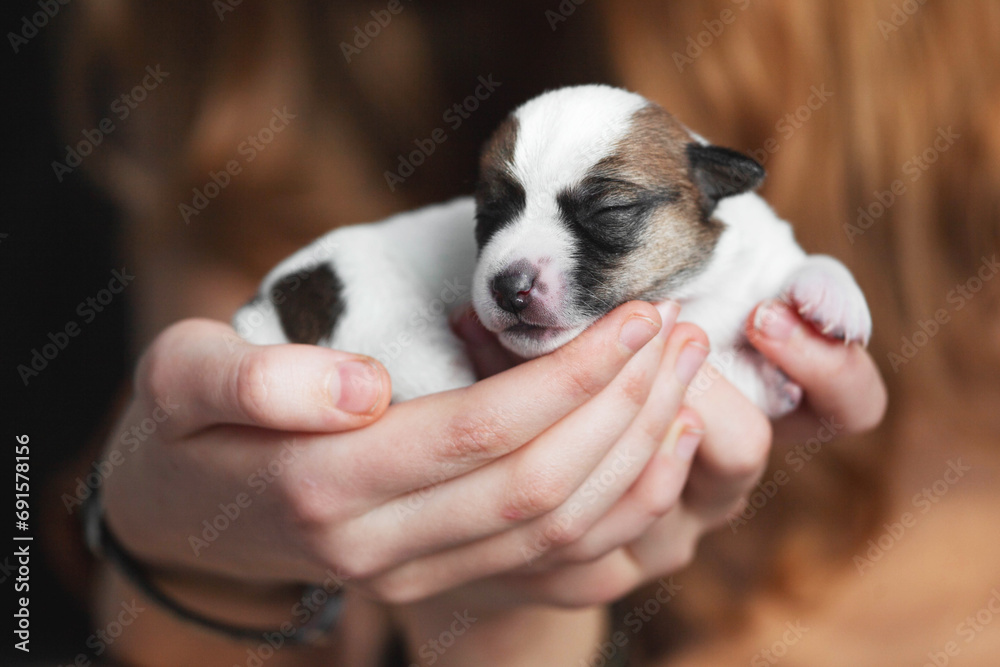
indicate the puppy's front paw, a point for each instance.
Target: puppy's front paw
{"x":825,"y":293}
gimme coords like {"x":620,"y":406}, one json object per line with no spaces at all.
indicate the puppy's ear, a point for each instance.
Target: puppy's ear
{"x":720,"y":172}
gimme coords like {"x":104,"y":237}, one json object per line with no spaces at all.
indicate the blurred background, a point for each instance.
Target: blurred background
{"x":58,"y":247}
{"x":878,"y":122}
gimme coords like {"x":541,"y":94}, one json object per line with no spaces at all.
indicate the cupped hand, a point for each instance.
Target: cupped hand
{"x":262,"y":472}
{"x":842,"y":385}
{"x":653,"y":529}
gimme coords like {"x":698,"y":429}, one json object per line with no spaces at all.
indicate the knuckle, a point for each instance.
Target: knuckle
{"x":562,"y":531}
{"x":580,"y":381}
{"x":307,"y":505}
{"x":652,"y":428}
{"x":635,"y":384}
{"x":657,"y":502}
{"x":473,"y":438}
{"x":534,"y":492}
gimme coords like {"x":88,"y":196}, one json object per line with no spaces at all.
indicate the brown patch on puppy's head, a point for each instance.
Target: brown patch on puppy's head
{"x":646,"y":209}
{"x":500,"y":197}
{"x":588,"y":197}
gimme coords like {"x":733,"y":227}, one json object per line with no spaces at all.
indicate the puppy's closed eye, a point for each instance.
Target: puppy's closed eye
{"x":617,"y":208}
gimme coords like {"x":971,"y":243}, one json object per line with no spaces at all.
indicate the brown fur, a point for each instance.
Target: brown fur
{"x":498,"y":152}
{"x":890,"y":95}
{"x":678,"y":240}
{"x":308,"y":304}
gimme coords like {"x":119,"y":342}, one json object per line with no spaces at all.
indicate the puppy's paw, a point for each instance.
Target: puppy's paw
{"x":825,"y":293}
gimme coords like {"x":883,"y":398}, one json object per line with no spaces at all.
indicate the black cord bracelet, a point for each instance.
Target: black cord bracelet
{"x":103,"y":544}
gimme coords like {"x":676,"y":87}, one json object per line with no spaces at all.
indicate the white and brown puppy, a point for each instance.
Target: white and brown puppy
{"x":588,"y":197}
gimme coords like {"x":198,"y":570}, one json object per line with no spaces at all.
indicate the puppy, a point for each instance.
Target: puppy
{"x":588,"y":197}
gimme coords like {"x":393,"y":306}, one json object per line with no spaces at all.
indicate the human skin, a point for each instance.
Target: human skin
{"x":533,"y":419}
{"x":507,"y":456}
{"x":842,"y":384}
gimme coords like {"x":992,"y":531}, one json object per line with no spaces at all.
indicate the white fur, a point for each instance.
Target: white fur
{"x":560,"y":136}
{"x":401,"y":277}
{"x":562,"y":133}
{"x":393,"y":270}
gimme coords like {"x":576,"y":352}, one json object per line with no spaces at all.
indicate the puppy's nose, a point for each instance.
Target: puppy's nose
{"x":512,"y":289}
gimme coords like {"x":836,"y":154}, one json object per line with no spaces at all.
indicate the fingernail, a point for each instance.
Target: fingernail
{"x":359,"y":387}
{"x":669,"y":310}
{"x":637,"y":331}
{"x":690,"y":359}
{"x":774,"y":320}
{"x":688,"y":443}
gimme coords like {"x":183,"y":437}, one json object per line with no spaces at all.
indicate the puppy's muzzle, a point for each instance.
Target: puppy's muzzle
{"x":513,"y":288}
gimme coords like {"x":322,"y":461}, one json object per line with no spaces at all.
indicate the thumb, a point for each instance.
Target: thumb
{"x":214,"y":377}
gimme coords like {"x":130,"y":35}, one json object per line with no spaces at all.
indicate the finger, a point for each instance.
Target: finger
{"x":573,"y":585}
{"x":598,"y":582}
{"x":488,"y":356}
{"x":667,"y":547}
{"x":425,"y":441}
{"x":568,"y":475}
{"x":841,"y":381}
{"x":686,"y":351}
{"x":735,"y":446}
{"x":214,"y":377}
{"x":533,"y":481}
{"x":652,"y":496}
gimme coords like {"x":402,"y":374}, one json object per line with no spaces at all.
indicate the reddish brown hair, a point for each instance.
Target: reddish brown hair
{"x":883,"y":88}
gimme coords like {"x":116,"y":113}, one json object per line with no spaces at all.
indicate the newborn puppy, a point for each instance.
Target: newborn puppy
{"x":588,"y":197}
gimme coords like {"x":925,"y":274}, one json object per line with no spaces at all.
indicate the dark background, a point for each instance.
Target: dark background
{"x":57,"y":248}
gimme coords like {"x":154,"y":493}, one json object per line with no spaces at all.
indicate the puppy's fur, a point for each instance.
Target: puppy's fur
{"x":588,"y":197}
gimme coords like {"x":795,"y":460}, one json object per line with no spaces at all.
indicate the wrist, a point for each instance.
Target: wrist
{"x":145,"y":634}
{"x":233,"y":601}
{"x":151,"y":635}
{"x":209,"y":601}
{"x":444,"y":634}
